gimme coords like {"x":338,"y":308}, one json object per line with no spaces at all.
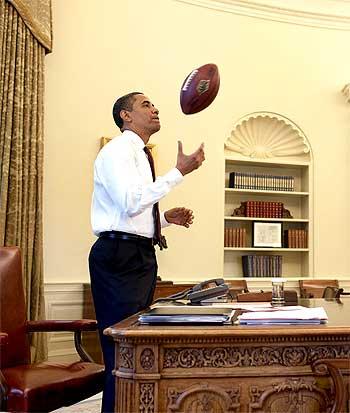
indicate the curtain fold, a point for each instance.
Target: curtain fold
{"x":37,"y":15}
{"x":21,"y":155}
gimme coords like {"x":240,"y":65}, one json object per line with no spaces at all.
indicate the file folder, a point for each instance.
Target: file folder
{"x":187,"y":315}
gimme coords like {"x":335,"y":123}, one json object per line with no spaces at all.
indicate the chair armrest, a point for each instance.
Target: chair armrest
{"x":61,"y":325}
{"x":334,"y":368}
{"x":3,"y":339}
{"x":66,"y":325}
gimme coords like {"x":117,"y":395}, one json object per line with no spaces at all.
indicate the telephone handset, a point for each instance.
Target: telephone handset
{"x":205,"y":290}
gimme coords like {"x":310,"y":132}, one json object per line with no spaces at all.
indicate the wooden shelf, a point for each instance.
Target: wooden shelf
{"x":229,"y":218}
{"x":266,"y":249}
{"x":267,"y":162}
{"x":265,"y":192}
{"x":288,"y":278}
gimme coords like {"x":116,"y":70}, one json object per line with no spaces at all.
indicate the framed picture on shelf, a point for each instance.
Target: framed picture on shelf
{"x":267,"y":234}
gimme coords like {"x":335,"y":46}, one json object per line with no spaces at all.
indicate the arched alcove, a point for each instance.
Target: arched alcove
{"x":268,"y":179}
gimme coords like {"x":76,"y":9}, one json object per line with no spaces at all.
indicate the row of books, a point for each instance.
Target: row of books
{"x":262,"y":265}
{"x":249,"y":180}
{"x":295,"y":238}
{"x":263,"y":209}
{"x":235,"y":237}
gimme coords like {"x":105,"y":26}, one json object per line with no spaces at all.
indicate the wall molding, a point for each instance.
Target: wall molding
{"x":325,"y":14}
{"x":64,"y":301}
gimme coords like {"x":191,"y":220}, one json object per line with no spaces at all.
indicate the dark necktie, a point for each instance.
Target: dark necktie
{"x":158,"y":238}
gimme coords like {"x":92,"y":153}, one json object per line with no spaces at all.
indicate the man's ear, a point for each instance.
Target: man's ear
{"x":124,"y":114}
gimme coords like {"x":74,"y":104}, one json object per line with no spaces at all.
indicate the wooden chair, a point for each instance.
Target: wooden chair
{"x":333,"y":292}
{"x":40,"y":387}
{"x":166,"y":288}
{"x":254,"y":296}
{"x":315,"y":288}
{"x":290,"y":296}
{"x":237,"y":287}
{"x":339,"y":371}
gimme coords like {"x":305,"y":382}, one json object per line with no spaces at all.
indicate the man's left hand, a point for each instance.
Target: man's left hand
{"x":179,"y":216}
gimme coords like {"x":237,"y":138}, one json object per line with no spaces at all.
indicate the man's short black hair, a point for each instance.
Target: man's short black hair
{"x":123,"y":103}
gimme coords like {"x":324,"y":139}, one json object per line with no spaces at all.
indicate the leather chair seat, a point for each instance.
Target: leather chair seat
{"x":40,"y":387}
{"x":32,"y":384}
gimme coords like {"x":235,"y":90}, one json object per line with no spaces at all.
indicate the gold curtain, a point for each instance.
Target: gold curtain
{"x":21,"y":154}
{"x":37,"y":15}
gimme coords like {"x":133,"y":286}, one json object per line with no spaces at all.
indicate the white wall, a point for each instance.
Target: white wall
{"x":105,"y":48}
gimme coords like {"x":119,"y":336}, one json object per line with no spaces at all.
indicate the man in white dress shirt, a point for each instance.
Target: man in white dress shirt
{"x":125,"y":216}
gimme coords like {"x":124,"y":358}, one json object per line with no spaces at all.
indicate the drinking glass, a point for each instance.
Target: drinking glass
{"x":278,"y":292}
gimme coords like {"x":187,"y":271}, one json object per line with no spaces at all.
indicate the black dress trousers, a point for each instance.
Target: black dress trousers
{"x":123,"y":277}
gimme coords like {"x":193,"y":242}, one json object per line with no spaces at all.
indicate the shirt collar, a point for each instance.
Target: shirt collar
{"x":134,"y":138}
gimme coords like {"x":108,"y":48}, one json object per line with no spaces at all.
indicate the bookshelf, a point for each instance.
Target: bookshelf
{"x":267,"y":144}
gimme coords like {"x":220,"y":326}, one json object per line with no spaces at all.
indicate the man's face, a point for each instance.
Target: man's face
{"x":144,"y":115}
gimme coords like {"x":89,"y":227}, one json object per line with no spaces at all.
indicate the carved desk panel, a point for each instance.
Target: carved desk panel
{"x":195,"y":369}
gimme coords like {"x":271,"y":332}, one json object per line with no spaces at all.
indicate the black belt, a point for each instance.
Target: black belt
{"x":126,"y":236}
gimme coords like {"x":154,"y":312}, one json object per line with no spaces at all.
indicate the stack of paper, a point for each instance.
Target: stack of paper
{"x":293,"y":317}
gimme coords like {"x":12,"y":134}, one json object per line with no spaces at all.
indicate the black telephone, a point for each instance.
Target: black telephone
{"x":205,"y":290}
{"x":208,"y":289}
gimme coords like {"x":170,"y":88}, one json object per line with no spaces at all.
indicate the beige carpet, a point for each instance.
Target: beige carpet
{"x":91,"y":405}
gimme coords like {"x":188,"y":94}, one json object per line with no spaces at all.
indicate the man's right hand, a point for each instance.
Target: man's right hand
{"x":188,"y":163}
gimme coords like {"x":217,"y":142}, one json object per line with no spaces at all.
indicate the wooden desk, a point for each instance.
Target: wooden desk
{"x":228,"y":368}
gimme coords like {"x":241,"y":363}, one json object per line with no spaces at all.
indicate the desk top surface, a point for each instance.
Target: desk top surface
{"x":338,"y":312}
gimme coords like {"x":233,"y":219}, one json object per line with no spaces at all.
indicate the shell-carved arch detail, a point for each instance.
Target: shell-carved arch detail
{"x":267,"y":135}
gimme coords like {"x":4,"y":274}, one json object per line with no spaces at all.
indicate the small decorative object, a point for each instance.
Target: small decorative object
{"x":277,"y":292}
{"x":240,"y":211}
{"x":267,"y":234}
{"x":346,"y":92}
{"x":286,"y":213}
{"x":103,"y":141}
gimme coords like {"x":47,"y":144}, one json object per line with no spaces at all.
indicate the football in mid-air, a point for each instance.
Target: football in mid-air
{"x":199,"y":89}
